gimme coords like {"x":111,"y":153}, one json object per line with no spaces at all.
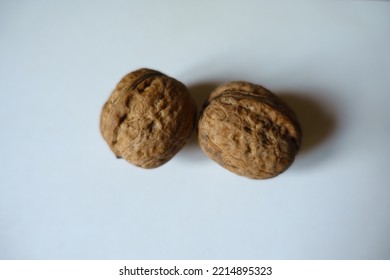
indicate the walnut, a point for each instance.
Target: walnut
{"x":249,"y":130}
{"x":148,"y":118}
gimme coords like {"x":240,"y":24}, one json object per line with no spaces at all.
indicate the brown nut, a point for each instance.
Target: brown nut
{"x":148,"y":118}
{"x":249,"y":130}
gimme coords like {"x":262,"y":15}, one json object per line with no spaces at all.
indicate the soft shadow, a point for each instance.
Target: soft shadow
{"x":318,"y":122}
{"x":200,"y":93}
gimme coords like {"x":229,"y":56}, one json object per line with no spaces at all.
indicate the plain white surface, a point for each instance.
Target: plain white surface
{"x":63,"y":194}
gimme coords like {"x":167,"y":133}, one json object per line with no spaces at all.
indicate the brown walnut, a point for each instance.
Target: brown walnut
{"x":249,"y":130}
{"x":148,"y":118}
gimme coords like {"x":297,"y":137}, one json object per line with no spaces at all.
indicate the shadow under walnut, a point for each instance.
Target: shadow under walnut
{"x":200,"y":93}
{"x":318,"y":123}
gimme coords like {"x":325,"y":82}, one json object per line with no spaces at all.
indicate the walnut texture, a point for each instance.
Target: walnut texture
{"x":249,"y":130}
{"x":148,"y":118}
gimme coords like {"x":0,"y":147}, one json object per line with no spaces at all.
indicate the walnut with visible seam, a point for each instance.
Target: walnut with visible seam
{"x":148,"y":118}
{"x":249,"y":130}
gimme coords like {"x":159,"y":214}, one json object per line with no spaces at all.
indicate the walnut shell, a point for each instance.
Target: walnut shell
{"x":148,"y":118}
{"x":249,"y":130}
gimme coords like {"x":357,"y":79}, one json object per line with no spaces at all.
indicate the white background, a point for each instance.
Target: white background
{"x":64,"y":195}
{"x":111,"y":269}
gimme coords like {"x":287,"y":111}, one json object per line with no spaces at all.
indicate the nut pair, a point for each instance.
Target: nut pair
{"x":244,"y":127}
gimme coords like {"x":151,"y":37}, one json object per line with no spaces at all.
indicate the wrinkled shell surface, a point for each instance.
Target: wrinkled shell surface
{"x":249,"y":130}
{"x":148,"y":118}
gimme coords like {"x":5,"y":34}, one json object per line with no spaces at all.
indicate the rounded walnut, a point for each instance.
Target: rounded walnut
{"x":249,"y":130}
{"x":148,"y":118}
